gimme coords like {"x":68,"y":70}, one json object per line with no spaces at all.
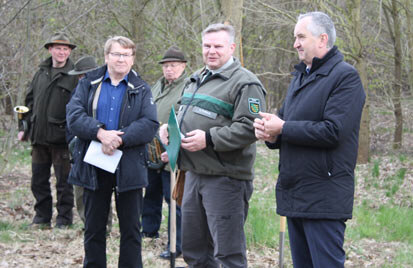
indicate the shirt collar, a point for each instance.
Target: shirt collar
{"x":125,"y":78}
{"x":317,"y":62}
{"x":223,"y":67}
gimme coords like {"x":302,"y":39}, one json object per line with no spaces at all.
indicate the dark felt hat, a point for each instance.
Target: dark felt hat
{"x":59,"y":39}
{"x":173,"y":54}
{"x":83,"y":65}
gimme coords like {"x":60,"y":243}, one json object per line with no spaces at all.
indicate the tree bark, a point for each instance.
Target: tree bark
{"x":394,"y":26}
{"x":398,"y":132}
{"x":232,"y":12}
{"x":408,"y":10}
{"x":137,"y":33}
{"x":354,"y":7}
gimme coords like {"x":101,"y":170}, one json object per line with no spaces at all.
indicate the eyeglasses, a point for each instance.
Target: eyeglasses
{"x":117,"y":55}
{"x":172,"y":65}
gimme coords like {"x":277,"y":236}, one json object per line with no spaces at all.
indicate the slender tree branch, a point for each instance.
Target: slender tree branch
{"x":272,"y":74}
{"x":42,"y":5}
{"x":15,"y":15}
{"x":81,"y":15}
{"x":120,"y":23}
{"x":276,"y":10}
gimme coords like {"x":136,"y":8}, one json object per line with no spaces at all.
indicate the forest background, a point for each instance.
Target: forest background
{"x":376,"y":36}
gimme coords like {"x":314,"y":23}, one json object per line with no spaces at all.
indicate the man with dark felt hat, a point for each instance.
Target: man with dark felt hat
{"x":173,"y":54}
{"x":59,"y":39}
{"x":47,"y":96}
{"x":83,"y":65}
{"x":166,"y":93}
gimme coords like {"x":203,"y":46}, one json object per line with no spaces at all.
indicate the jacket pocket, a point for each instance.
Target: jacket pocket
{"x":82,"y":173}
{"x":32,"y":126}
{"x":59,"y":97}
{"x":56,"y":131}
{"x":132,"y":170}
{"x":327,"y":163}
{"x":77,"y":152}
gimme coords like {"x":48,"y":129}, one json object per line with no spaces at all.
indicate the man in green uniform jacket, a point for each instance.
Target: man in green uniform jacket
{"x":217,"y":110}
{"x":48,"y":94}
{"x":166,"y":93}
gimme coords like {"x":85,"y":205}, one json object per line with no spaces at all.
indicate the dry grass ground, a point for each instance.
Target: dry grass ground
{"x":63,"y":248}
{"x":22,"y":247}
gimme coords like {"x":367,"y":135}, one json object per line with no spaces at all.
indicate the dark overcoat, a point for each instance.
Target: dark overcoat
{"x":47,"y":96}
{"x":319,"y":140}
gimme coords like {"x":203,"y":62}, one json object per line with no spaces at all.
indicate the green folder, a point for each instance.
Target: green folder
{"x":174,"y":139}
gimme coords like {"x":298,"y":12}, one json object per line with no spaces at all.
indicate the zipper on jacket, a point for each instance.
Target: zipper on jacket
{"x":197,"y":79}
{"x":128,"y":92}
{"x":199,"y":83}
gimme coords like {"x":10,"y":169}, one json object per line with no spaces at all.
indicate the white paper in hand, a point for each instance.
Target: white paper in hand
{"x":96,"y":157}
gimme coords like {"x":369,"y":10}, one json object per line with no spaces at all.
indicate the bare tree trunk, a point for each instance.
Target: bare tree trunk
{"x":364,"y":136}
{"x":138,"y":29}
{"x":393,"y":24}
{"x":354,"y":7}
{"x":190,"y":18}
{"x":6,"y":147}
{"x":398,"y":132}
{"x":232,"y":11}
{"x":408,"y":8}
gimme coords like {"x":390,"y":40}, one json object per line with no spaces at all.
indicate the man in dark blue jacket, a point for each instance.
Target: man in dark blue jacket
{"x":317,"y":132}
{"x":114,"y":106}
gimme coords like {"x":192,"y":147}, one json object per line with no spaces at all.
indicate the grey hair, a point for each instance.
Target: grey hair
{"x":321,"y":23}
{"x":122,"y":41}
{"x":220,"y":27}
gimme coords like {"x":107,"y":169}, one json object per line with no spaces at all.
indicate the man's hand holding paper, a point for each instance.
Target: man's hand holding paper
{"x":110,"y":140}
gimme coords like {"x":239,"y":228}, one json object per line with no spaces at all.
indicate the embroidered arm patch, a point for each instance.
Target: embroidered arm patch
{"x":254,"y":105}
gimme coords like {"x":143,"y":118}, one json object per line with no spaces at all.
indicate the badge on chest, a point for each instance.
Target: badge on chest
{"x":204,"y":112}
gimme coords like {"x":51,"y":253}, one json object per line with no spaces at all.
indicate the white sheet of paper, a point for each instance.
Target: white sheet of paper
{"x":96,"y":157}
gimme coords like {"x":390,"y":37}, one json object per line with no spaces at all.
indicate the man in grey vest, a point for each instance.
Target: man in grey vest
{"x":166,"y":93}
